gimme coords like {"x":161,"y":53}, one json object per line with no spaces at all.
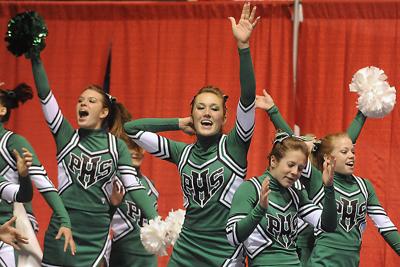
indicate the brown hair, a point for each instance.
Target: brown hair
{"x":214,"y":90}
{"x":10,"y":98}
{"x":289,"y":143}
{"x":117,"y":113}
{"x":325,"y":147}
{"x":117,"y":116}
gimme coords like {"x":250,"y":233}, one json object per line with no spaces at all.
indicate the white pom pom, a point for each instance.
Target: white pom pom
{"x":153,"y":236}
{"x":376,"y":97}
{"x":174,"y":223}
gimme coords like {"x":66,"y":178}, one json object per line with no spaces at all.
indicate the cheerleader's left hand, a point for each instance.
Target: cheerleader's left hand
{"x":68,"y":239}
{"x":329,"y":169}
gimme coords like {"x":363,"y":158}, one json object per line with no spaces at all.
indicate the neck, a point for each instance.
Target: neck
{"x":207,"y":141}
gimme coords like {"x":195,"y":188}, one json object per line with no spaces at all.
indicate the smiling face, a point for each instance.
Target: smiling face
{"x":343,"y":152}
{"x":288,"y":169}
{"x":208,"y":114}
{"x":90,"y":110}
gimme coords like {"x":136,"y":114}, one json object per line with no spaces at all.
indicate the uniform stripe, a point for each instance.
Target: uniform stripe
{"x":70,"y":145}
{"x":224,"y":157}
{"x":227,"y":194}
{"x":257,"y":242}
{"x":121,"y":225}
{"x":184,"y":157}
{"x":306,"y":172}
{"x":4,"y":151}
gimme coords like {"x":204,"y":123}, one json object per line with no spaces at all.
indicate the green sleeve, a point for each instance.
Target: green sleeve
{"x":54,"y":200}
{"x":40,"y":76}
{"x":393,"y":239}
{"x":278,"y":121}
{"x":144,"y":202}
{"x":247,"y":225}
{"x":329,"y":212}
{"x":247,"y":211}
{"x":143,"y":133}
{"x":381,"y":220}
{"x":247,"y":80}
{"x":153,"y":125}
{"x":356,"y":125}
{"x":239,"y":138}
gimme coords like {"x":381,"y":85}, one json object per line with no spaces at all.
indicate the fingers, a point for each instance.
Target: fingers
{"x":233,"y":22}
{"x":254,"y":24}
{"x":17,"y":155}
{"x":23,"y":239}
{"x":59,"y":234}
{"x":11,"y":221}
{"x":243,"y":15}
{"x":28,"y":157}
{"x":15,"y":245}
{"x":72,"y":246}
{"x":253,"y":13}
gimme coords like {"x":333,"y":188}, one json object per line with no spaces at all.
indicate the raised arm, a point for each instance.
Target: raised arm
{"x":59,"y":126}
{"x":265,"y":102}
{"x":142,"y":132}
{"x":356,"y":125}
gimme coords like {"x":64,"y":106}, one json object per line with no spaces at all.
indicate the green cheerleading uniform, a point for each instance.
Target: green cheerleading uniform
{"x":126,"y":248}
{"x":312,"y":181}
{"x":269,"y":234}
{"x":355,"y":199}
{"x":88,"y":159}
{"x":8,"y":142}
{"x":211,"y":170}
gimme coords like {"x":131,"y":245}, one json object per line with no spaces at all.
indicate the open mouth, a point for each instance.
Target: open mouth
{"x":350,"y":164}
{"x":83,"y":114}
{"x":206,"y":123}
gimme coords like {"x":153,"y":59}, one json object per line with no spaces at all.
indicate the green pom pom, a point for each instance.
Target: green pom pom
{"x":26,"y":34}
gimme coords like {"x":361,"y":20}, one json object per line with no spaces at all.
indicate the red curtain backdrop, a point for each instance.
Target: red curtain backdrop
{"x":336,"y":39}
{"x":162,"y":53}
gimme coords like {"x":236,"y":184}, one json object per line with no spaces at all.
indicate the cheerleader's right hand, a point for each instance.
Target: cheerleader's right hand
{"x":68,"y":239}
{"x":264,"y":101}
{"x":186,"y":125}
{"x":264,"y":193}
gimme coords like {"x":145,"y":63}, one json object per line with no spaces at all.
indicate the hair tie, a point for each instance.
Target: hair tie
{"x":316,"y":145}
{"x":111,"y":98}
{"x":281,"y":136}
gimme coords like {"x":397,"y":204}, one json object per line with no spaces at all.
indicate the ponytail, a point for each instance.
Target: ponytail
{"x":11,"y":98}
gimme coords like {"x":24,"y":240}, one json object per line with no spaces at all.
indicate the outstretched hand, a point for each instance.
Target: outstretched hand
{"x":328,"y":171}
{"x":264,"y":101}
{"x":186,"y":125}
{"x":68,"y":239}
{"x":10,"y":235}
{"x":24,"y":162}
{"x":264,"y":193}
{"x":242,"y":30}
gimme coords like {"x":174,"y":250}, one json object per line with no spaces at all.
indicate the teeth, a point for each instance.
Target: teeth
{"x":206,"y":122}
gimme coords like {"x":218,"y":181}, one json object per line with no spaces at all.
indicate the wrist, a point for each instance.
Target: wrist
{"x":242,"y":45}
